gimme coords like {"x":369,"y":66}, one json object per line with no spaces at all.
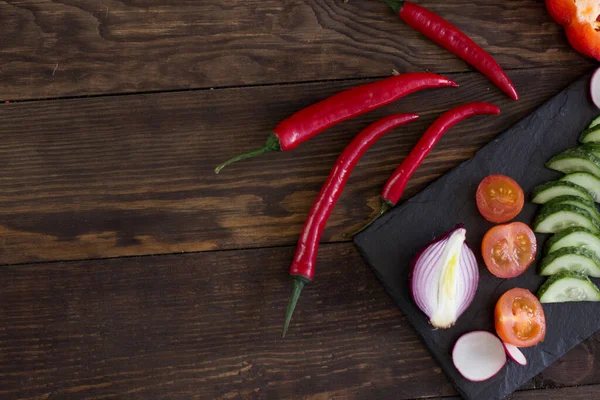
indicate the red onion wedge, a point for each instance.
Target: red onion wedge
{"x":478,"y":355}
{"x":515,"y":354}
{"x":444,"y":278}
{"x":595,"y":88}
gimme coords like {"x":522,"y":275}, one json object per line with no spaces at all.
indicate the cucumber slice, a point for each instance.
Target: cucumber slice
{"x":576,"y":159}
{"x":590,"y":135}
{"x":587,"y":181}
{"x":568,"y":286}
{"x":595,"y":122}
{"x":584,"y":204}
{"x":561,"y":216}
{"x":573,"y":259}
{"x":593,"y":148}
{"x":550,"y":190}
{"x":574,"y":237}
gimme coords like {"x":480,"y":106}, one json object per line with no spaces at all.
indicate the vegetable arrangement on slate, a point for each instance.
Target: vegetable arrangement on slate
{"x":534,"y":334}
{"x":445,"y":276}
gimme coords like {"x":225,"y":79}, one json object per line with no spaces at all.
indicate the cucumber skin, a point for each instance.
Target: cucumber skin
{"x":568,"y":251}
{"x":593,"y":148}
{"x":595,"y":198}
{"x":564,"y":207}
{"x":561,"y":275}
{"x":548,"y":185}
{"x":566,"y":198}
{"x":566,"y":232}
{"x":585,"y":135}
{"x":575,"y":152}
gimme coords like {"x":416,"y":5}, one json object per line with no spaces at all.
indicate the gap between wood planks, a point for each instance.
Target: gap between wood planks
{"x":257,"y":85}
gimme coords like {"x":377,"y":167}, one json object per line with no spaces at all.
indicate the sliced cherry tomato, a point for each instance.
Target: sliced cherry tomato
{"x":499,"y":198}
{"x":508,"y":250}
{"x":519,"y":318}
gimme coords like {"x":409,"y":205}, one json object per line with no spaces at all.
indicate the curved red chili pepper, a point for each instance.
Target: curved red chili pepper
{"x":303,"y":266}
{"x":395,"y":185}
{"x":451,"y":38}
{"x":342,"y":106}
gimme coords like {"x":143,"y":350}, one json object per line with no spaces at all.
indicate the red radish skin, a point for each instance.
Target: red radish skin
{"x":478,"y":355}
{"x":515,"y":354}
{"x":595,"y":88}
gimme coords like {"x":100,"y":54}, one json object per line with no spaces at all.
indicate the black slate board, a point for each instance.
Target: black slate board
{"x":390,"y":244}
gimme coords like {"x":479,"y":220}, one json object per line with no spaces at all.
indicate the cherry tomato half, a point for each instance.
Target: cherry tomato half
{"x":519,"y":318}
{"x":508,"y":250}
{"x":499,"y":198}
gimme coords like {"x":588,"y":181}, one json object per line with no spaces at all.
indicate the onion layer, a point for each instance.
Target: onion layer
{"x":444,"y":278}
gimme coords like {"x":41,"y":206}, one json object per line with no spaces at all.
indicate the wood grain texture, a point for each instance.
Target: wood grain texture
{"x":69,"y":47}
{"x":208,"y":325}
{"x":133,"y":175}
{"x":586,"y":392}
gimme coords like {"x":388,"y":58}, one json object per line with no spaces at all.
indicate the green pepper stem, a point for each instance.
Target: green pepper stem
{"x":299,"y":282}
{"x":385,"y":207}
{"x":272,"y":144}
{"x":395,"y":5}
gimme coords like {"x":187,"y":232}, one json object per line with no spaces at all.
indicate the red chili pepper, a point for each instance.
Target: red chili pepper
{"x":344,"y":105}
{"x":451,"y":38}
{"x":394,"y":187}
{"x":303,"y":266}
{"x":581,"y":20}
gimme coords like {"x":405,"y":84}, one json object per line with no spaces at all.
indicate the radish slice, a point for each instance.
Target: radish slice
{"x":515,"y":354}
{"x":478,"y":355}
{"x":595,"y":88}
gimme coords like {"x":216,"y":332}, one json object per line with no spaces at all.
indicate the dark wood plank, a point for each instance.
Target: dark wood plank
{"x":586,"y":392}
{"x":133,"y":175}
{"x":63,"y":48}
{"x":208,"y":325}
{"x":572,"y":393}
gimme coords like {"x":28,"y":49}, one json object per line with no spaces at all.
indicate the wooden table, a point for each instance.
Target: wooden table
{"x":131,"y":271}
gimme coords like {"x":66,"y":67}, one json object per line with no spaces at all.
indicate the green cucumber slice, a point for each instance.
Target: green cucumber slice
{"x":590,"y":135}
{"x":574,"y":237}
{"x":595,"y":122}
{"x":586,"y":181}
{"x":561,"y":216}
{"x":573,"y":259}
{"x":580,"y":202}
{"x":550,"y":190}
{"x":568,"y":286}
{"x":576,"y":159}
{"x":593,"y":148}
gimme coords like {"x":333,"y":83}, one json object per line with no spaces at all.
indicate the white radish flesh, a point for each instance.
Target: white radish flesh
{"x":595,"y":88}
{"x":515,"y":354}
{"x":478,"y":355}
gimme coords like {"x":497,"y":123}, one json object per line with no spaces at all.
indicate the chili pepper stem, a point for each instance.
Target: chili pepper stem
{"x":272,"y":144}
{"x":299,"y":282}
{"x":383,"y":208}
{"x":395,"y":5}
